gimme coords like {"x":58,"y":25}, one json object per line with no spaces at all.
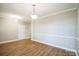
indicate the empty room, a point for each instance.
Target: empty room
{"x":40,"y":29}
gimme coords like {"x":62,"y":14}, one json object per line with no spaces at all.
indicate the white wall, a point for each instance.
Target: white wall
{"x":58,"y":30}
{"x":77,"y":41}
{"x":78,"y":23}
{"x":21,"y":31}
{"x":28,"y":30}
{"x":8,"y":29}
{"x":12,"y":30}
{"x":24,"y":30}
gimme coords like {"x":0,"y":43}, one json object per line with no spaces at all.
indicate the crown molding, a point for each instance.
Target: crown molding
{"x":59,"y":12}
{"x":50,"y":14}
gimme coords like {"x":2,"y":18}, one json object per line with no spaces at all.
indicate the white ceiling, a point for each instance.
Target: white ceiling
{"x":42,"y":9}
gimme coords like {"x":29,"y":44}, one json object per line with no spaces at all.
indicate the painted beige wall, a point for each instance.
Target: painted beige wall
{"x":58,"y":30}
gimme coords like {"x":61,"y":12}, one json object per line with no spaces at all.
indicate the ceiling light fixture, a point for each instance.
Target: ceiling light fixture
{"x":34,"y":16}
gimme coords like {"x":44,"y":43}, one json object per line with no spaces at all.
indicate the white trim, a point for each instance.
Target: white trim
{"x":4,"y":42}
{"x":56,"y":46}
{"x":77,"y":54}
{"x":56,"y":13}
{"x":9,"y":41}
{"x":59,"y":12}
{"x":50,"y":14}
{"x":56,"y":35}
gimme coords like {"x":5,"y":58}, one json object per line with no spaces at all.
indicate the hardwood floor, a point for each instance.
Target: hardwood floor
{"x":31,"y":48}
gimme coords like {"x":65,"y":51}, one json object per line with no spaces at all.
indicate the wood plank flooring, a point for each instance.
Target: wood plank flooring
{"x":27,"y":47}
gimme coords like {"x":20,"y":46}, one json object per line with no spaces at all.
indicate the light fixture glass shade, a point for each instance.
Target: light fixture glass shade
{"x":34,"y":17}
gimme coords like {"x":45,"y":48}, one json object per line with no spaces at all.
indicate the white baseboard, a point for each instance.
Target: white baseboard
{"x":11,"y":41}
{"x":77,"y":53}
{"x":56,"y":46}
{"x":43,"y":43}
{"x":58,"y":36}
